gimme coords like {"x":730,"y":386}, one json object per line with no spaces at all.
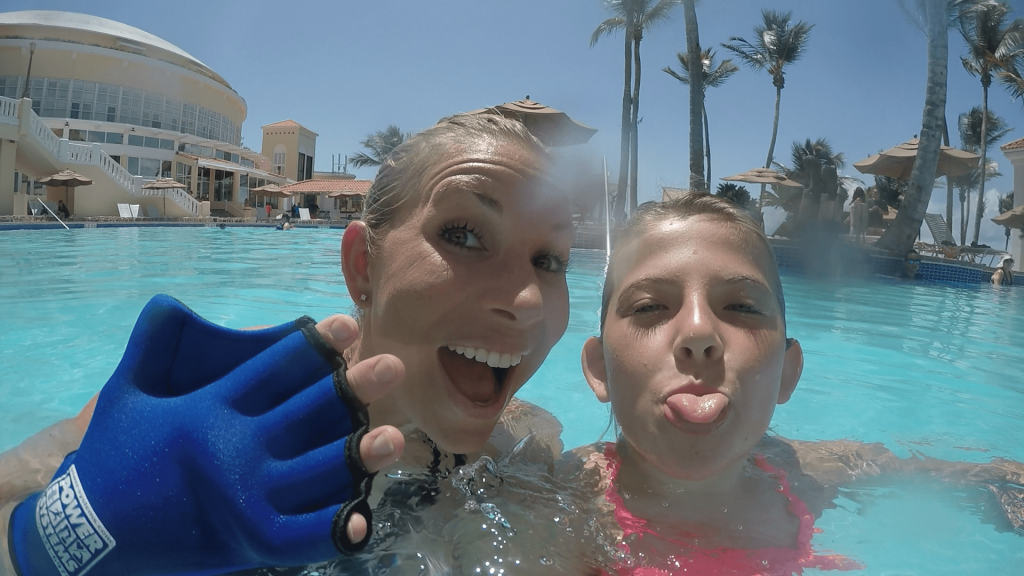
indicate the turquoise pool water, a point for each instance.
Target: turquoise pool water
{"x":928,"y":368}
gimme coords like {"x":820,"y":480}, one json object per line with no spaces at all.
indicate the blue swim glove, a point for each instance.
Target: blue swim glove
{"x":210,"y":450}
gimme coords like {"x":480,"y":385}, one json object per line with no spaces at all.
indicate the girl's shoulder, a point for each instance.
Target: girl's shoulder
{"x":591,"y":466}
{"x":521,"y":420}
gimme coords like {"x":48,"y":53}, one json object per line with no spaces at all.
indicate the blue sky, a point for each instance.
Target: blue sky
{"x":345,"y":69}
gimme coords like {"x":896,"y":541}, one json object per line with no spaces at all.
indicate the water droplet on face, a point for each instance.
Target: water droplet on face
{"x":546,"y":561}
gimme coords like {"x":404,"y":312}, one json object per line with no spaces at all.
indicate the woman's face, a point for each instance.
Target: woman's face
{"x":473,"y":264}
{"x":693,"y":353}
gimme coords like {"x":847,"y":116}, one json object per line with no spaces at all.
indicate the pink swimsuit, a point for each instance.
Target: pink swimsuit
{"x":696,"y":560}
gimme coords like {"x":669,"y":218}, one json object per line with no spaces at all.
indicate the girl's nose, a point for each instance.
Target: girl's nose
{"x":698,"y":339}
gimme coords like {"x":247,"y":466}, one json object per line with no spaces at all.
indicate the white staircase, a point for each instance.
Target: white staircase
{"x":63,"y":151}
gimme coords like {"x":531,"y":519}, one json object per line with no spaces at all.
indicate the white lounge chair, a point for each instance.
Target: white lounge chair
{"x":125,"y":211}
{"x":304,"y":214}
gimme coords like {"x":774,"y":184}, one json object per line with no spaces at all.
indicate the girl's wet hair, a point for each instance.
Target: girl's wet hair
{"x":401,"y":174}
{"x":688,"y":205}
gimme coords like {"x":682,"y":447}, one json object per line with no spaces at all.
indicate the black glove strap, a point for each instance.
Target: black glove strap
{"x":362,"y":479}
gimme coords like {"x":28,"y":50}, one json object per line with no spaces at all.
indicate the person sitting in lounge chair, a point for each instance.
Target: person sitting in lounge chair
{"x":1003,"y":276}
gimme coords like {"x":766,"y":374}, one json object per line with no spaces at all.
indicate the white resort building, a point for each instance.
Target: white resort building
{"x":121,"y":106}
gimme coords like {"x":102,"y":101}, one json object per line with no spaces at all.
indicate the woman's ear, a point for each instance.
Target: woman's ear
{"x":792,"y":368}
{"x":594,"y":369}
{"x":355,"y":263}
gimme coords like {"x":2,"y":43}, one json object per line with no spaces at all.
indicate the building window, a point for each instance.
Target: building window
{"x":115,"y":138}
{"x":136,"y":140}
{"x":279,"y":160}
{"x":99,"y":137}
{"x":76,"y":135}
{"x":184,"y":175}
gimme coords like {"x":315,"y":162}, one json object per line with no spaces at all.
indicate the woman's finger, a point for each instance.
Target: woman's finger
{"x":374,"y":378}
{"x":339,"y":331}
{"x":381,"y":447}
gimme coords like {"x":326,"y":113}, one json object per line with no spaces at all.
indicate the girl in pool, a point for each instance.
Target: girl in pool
{"x":693,"y":357}
{"x":458,"y":272}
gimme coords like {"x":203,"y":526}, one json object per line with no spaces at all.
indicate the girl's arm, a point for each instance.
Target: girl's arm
{"x":28,"y":467}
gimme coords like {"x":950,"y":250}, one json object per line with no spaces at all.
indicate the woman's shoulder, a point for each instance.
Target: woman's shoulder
{"x":521,"y":420}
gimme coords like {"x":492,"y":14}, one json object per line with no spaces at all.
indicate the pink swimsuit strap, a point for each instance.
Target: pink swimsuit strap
{"x":722,"y":560}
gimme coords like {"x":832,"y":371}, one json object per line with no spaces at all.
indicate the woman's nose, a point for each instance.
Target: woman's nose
{"x":519,"y":297}
{"x":698,"y":338}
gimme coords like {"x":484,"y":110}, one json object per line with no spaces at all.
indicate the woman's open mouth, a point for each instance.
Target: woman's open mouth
{"x":477,"y":374}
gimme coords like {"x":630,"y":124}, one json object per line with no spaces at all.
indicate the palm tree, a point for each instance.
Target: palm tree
{"x":634,"y":17}
{"x":738,"y":195}
{"x":379,"y":144}
{"x":698,"y":113}
{"x":712,"y":76}
{"x":993,"y":45}
{"x":1005,"y":205}
{"x":778,"y":44}
{"x":902,"y":233}
{"x":970,"y":126}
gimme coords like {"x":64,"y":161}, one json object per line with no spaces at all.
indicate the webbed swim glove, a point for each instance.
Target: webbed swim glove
{"x":210,"y":450}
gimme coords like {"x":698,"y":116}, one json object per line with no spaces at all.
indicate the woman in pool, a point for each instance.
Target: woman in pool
{"x":693,"y":357}
{"x":458,"y":272}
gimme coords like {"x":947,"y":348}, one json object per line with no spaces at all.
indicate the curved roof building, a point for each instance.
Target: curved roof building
{"x":123,"y":106}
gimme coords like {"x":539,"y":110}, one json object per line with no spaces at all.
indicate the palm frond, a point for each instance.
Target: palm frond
{"x":606,"y":28}
{"x":658,"y":14}
{"x":747,"y":53}
{"x":362,"y":160}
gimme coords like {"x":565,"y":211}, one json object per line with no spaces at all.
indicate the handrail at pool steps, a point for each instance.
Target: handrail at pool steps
{"x":43,"y":204}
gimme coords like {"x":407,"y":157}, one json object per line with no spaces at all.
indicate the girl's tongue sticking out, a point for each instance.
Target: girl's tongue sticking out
{"x":684,"y":409}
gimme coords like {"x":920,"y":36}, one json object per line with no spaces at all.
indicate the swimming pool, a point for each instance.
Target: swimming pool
{"x":930,"y":368}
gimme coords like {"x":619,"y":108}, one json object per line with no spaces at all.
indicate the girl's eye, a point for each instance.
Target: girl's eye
{"x":744,"y":308}
{"x":648,"y":308}
{"x":552,"y":263}
{"x":462,"y":236}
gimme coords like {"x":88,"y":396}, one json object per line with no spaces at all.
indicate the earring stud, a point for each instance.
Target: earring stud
{"x":362,"y":297}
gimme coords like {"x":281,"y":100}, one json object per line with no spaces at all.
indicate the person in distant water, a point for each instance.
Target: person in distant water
{"x":911,"y":262}
{"x":268,"y":207}
{"x":286,"y":224}
{"x":1003,"y":275}
{"x":858,"y":216}
{"x":62,"y":209}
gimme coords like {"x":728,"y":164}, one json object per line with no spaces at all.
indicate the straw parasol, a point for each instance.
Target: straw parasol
{"x":1011,"y":218}
{"x":164,"y":184}
{"x":271,"y":191}
{"x":898,"y":162}
{"x":764,"y":176}
{"x":550,"y":126}
{"x":67,"y":179}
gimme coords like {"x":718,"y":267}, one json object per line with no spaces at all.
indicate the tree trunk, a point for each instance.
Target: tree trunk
{"x":902,"y":233}
{"x":771,"y":148}
{"x":619,"y":211}
{"x":949,"y":180}
{"x":634,"y":143}
{"x":964,"y":199}
{"x":980,"y":208}
{"x":697,"y":117}
{"x":707,"y":145}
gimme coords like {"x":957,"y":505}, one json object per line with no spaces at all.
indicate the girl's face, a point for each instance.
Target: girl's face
{"x":693,"y":357}
{"x":474,"y":265}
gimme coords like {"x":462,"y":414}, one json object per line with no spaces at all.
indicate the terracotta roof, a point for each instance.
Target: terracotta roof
{"x":324,"y":186}
{"x":1015,"y":145}
{"x":288,"y":124}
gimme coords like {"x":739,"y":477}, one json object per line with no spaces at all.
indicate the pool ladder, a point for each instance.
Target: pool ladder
{"x":43,"y":204}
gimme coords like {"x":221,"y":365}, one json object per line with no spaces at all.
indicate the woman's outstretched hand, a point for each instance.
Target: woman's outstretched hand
{"x":213,"y":450}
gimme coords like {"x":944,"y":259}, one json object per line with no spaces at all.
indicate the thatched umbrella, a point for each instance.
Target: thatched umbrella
{"x":67,"y":179}
{"x":897,"y":162}
{"x":764,"y":176}
{"x":550,"y":126}
{"x":164,"y":184}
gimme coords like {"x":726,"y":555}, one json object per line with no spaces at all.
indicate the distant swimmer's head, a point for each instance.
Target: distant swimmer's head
{"x":693,"y":354}
{"x":459,"y":269}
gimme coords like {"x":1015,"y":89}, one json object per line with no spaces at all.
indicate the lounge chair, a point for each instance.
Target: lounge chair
{"x":153,"y":212}
{"x":124,"y":211}
{"x":945,"y":246}
{"x":304,"y":214}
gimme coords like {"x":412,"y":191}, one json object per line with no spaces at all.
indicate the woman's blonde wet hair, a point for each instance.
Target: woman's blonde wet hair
{"x":401,"y":175}
{"x":688,"y":205}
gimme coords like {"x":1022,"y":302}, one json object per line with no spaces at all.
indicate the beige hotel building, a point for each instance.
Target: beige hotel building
{"x":122,"y":107}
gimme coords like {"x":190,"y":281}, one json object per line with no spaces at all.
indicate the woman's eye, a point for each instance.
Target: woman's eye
{"x":551,"y":263}
{"x":461,"y":236}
